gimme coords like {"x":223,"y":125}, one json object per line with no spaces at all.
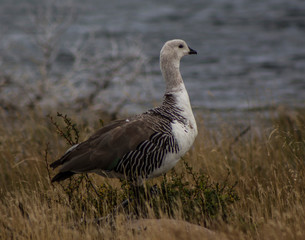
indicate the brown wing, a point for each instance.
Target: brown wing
{"x":104,"y":148}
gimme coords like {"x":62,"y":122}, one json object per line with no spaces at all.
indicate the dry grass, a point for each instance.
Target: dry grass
{"x":267,"y":163}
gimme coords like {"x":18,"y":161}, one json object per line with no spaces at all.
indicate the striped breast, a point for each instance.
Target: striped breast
{"x":149,"y":156}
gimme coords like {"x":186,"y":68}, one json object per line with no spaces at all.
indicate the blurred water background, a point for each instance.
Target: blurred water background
{"x":104,"y":55}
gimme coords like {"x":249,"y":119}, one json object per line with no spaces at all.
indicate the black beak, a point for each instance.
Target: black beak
{"x":192,"y":51}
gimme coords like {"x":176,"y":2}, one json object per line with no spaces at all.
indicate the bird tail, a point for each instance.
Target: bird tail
{"x":61,"y":161}
{"x":56,"y":163}
{"x":62,"y":176}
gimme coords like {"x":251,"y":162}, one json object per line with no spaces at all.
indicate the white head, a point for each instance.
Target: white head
{"x":176,"y":49}
{"x":170,"y":57}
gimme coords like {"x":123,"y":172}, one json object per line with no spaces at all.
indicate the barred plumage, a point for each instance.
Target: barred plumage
{"x":150,"y":154}
{"x":146,"y":145}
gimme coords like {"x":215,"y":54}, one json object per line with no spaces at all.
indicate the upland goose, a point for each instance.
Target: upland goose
{"x":146,"y":145}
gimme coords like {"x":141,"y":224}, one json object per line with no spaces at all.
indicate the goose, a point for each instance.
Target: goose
{"x":143,"y":146}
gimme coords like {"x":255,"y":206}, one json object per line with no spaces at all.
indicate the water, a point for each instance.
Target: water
{"x":251,"y":54}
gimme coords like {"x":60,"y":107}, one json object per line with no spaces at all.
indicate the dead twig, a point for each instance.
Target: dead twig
{"x":242,"y":133}
{"x":70,"y":129}
{"x":47,"y":164}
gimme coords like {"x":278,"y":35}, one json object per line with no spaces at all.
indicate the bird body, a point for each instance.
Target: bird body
{"x":146,"y":145}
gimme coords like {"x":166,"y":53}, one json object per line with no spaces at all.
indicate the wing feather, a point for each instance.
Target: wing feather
{"x":104,"y":148}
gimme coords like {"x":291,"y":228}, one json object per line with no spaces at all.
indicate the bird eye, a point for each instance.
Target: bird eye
{"x":180,"y":46}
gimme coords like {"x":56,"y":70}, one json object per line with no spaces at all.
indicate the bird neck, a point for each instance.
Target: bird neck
{"x":170,"y":68}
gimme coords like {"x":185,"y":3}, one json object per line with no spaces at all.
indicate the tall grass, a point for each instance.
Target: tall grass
{"x":260,"y":174}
